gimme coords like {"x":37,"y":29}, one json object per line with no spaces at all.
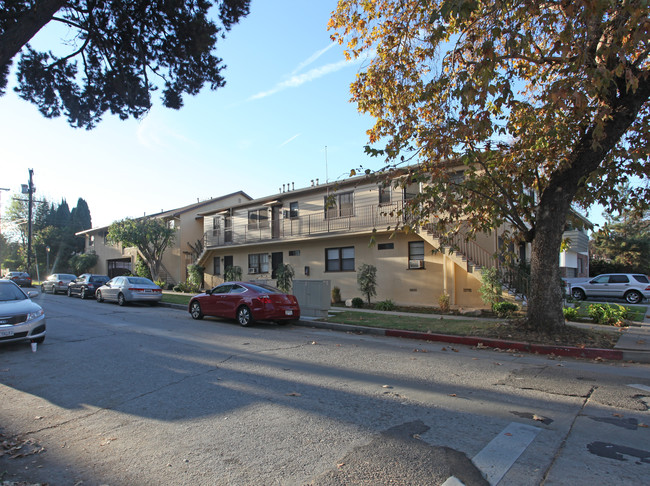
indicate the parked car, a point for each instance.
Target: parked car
{"x":629,"y":286}
{"x":20,"y":318}
{"x":85,"y":285}
{"x":246,"y":302}
{"x":129,"y":289}
{"x":57,"y":282}
{"x":21,"y":279}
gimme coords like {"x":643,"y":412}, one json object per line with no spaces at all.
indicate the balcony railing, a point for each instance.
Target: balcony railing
{"x":365,"y":218}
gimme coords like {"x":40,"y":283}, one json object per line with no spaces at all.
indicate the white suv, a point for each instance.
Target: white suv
{"x":629,"y":286}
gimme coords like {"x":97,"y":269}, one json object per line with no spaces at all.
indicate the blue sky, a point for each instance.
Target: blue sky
{"x":285,"y":101}
{"x":283,"y":117}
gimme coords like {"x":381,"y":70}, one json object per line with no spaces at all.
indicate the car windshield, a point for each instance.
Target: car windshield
{"x":139,"y":280}
{"x":11,"y":292}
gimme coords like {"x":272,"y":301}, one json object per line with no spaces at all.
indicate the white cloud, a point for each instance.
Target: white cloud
{"x":312,"y":58}
{"x":289,"y":140}
{"x":298,"y":80}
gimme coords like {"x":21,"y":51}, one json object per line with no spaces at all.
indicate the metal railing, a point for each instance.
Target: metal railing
{"x":365,"y":218}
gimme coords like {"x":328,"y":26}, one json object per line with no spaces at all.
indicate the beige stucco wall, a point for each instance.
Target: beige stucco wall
{"x":421,"y":287}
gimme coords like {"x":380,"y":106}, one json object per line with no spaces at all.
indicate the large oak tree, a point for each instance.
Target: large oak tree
{"x":543,"y":103}
{"x":120,"y":51}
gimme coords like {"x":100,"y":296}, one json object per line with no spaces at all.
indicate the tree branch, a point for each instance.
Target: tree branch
{"x":20,"y":33}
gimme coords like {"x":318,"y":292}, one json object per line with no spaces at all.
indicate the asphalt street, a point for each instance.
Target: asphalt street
{"x":138,"y":395}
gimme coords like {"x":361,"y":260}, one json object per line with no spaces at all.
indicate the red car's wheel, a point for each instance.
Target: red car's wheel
{"x":244,"y":316}
{"x":195,"y":310}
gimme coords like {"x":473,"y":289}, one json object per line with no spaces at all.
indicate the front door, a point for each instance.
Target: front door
{"x":227,"y":263}
{"x":275,"y":221}
{"x":276,"y":261}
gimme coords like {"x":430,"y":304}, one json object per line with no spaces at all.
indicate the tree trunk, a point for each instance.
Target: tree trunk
{"x":20,"y":33}
{"x":545,"y":293}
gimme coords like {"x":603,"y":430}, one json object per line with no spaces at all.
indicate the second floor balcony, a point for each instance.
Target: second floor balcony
{"x":362,"y":219}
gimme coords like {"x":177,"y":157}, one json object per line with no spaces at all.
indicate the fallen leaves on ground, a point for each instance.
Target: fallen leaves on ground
{"x":518,"y":331}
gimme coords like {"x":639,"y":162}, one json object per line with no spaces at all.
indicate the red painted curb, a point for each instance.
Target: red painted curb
{"x":571,"y":351}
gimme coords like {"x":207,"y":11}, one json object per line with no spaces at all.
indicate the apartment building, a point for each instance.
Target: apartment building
{"x":327,"y":231}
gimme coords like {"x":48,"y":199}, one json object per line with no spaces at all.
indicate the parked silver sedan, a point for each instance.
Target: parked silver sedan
{"x":129,"y":289}
{"x":20,"y":318}
{"x":57,"y":282}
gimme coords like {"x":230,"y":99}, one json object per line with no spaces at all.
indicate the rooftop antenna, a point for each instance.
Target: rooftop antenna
{"x":327,"y":179}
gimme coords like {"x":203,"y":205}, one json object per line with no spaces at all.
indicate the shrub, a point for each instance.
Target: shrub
{"x":232,"y":273}
{"x":161,"y":283}
{"x":195,"y":275}
{"x":385,"y":305}
{"x":285,"y":275}
{"x":357,"y":302}
{"x":336,"y":295}
{"x":141,"y":267}
{"x":443,"y":302}
{"x":491,"y":287}
{"x":609,"y":314}
{"x":186,"y":287}
{"x":570,"y":313}
{"x":367,"y":280}
{"x":82,"y":262}
{"x":505,"y":309}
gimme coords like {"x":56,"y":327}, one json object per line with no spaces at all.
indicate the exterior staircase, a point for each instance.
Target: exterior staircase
{"x":469,"y":255}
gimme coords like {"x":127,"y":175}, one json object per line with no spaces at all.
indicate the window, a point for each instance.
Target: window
{"x":416,"y":254}
{"x":173,"y":224}
{"x":91,"y":240}
{"x":384,"y":195}
{"x":216,"y":266}
{"x":293,"y":210}
{"x":258,"y":263}
{"x":411,"y":190}
{"x":339,"y":205}
{"x":386,"y":246}
{"x":339,"y":259}
{"x":216,"y":225}
{"x":294,"y":252}
{"x":258,"y":218}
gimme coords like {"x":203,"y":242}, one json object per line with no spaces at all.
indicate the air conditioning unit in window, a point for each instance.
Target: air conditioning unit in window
{"x":416,"y":264}
{"x":251,"y":270}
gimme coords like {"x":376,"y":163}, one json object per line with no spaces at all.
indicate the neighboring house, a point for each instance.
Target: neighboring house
{"x":115,"y":260}
{"x":574,"y":260}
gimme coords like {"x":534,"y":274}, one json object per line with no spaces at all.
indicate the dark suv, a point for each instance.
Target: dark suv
{"x":85,"y":285}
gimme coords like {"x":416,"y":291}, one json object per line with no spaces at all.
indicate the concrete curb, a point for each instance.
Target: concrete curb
{"x":566,"y":351}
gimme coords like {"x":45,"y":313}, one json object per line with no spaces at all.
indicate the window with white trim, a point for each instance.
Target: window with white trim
{"x":339,"y":205}
{"x":339,"y":259}
{"x":258,"y":218}
{"x":258,"y":263}
{"x":416,"y":255}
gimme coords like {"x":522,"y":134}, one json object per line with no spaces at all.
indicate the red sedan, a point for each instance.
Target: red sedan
{"x":246,"y":302}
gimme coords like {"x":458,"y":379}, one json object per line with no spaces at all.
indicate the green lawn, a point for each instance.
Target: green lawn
{"x":182,"y":299}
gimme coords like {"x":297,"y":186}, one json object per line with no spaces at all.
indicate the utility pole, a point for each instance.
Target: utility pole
{"x":30,"y":190}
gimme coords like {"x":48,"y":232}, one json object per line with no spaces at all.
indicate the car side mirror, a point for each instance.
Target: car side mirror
{"x":32,"y":293}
